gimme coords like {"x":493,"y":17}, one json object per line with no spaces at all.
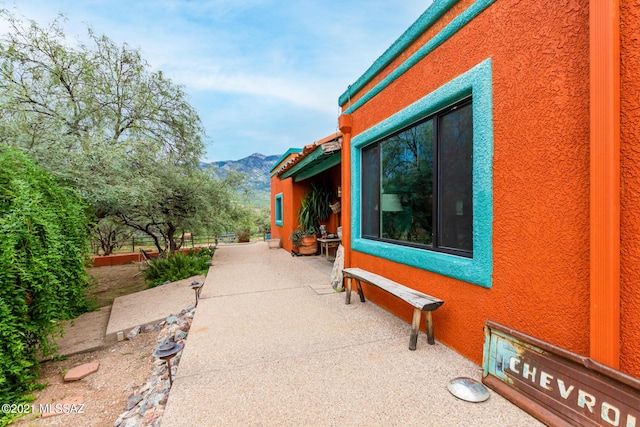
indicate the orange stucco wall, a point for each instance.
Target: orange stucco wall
{"x":540,"y":60}
{"x":121,"y":259}
{"x":630,"y":191}
{"x":290,"y":205}
{"x":118,"y":259}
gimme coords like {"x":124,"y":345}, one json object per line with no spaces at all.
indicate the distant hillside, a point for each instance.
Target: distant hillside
{"x":256,"y":168}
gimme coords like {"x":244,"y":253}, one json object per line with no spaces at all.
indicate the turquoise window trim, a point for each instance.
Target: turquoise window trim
{"x":278,"y":208}
{"x":447,"y":32}
{"x":476,"y":82}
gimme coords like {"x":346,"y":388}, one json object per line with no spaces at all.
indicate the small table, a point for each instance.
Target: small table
{"x":325,"y":244}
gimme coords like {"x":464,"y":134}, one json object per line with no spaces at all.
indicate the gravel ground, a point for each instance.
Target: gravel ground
{"x":123,"y":367}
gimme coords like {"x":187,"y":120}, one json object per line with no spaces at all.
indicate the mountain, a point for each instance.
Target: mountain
{"x":256,"y":168}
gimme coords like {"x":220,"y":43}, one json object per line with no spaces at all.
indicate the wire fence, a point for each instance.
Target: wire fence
{"x":137,"y":242}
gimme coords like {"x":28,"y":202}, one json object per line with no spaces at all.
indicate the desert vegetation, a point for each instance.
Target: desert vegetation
{"x":94,"y":144}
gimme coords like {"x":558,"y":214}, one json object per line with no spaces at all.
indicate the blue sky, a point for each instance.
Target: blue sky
{"x":264,"y":75}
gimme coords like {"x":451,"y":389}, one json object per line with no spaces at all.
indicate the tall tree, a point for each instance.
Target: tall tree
{"x":174,"y":201}
{"x":100,"y":119}
{"x":69,"y":99}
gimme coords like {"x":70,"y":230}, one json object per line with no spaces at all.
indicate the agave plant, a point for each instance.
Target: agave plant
{"x":314,"y":208}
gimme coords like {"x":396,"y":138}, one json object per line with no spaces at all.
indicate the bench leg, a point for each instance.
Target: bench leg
{"x":415,"y":328}
{"x":430,"y":338}
{"x":360,"y":292}
{"x":347,"y":298}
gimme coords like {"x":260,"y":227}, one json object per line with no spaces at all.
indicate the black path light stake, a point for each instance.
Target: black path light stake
{"x":166,"y":352}
{"x":196,"y":286}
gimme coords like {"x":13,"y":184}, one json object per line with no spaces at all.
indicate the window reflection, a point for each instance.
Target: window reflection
{"x":407,"y":185}
{"x":417,"y":184}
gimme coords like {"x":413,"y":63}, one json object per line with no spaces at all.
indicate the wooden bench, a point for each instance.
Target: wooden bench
{"x":421,"y":302}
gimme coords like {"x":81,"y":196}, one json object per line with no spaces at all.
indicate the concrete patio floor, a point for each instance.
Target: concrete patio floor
{"x":272,"y":344}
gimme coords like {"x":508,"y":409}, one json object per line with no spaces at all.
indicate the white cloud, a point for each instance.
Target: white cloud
{"x":297,"y":93}
{"x":264,"y":60}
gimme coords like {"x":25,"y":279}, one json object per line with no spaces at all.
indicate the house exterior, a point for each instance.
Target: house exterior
{"x":491,"y":158}
{"x":292,"y":177}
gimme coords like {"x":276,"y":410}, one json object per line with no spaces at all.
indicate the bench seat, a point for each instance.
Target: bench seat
{"x":420,"y":301}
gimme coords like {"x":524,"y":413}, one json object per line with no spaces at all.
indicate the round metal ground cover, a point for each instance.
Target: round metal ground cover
{"x":468,"y":389}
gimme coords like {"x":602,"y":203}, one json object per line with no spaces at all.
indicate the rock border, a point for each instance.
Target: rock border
{"x":145,"y":406}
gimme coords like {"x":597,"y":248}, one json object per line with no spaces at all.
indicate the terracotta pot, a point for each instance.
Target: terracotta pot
{"x":309,"y":240}
{"x":308,"y":249}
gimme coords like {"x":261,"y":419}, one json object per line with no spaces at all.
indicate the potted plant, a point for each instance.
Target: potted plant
{"x":315,"y":207}
{"x":306,"y":243}
{"x":296,"y":238}
{"x":301,"y":242}
{"x":309,"y":237}
{"x":244,"y":235}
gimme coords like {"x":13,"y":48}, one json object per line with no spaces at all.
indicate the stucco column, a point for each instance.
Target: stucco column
{"x":604,"y":20}
{"x":344,"y":124}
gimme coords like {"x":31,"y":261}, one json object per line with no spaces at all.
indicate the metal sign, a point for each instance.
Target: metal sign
{"x":556,"y":386}
{"x":329,"y":147}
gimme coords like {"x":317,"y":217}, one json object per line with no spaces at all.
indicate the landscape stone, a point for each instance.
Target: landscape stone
{"x":157,"y":422}
{"x":145,"y":406}
{"x":79,"y":372}
{"x":133,"y":422}
{"x":149,"y":416}
{"x":132,"y":333}
{"x":72,"y":401}
{"x":133,"y":400}
{"x":148,"y":328}
{"x":120,"y":420}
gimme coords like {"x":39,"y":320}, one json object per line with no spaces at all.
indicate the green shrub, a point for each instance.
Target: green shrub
{"x":202,"y":252}
{"x":244,"y":235}
{"x":175,"y":267}
{"x":43,"y":249}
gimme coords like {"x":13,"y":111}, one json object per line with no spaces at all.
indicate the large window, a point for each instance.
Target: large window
{"x":455,"y":238}
{"x":417,"y":183}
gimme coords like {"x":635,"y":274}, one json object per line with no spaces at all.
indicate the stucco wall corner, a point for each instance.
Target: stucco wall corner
{"x":630,"y":188}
